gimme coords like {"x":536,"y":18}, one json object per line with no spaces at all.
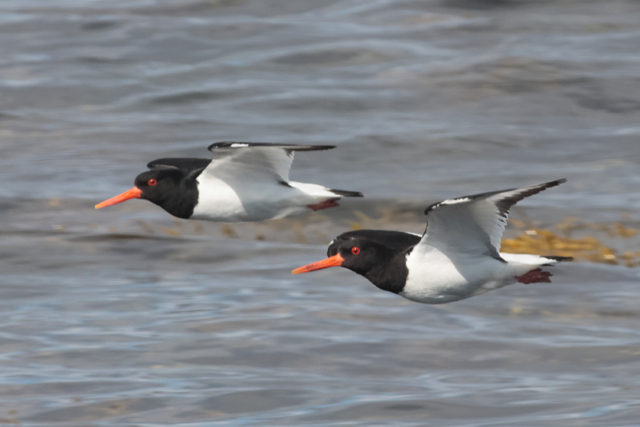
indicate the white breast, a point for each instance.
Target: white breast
{"x":435,"y":278}
{"x":241,"y":201}
{"x":217,"y":201}
{"x":431,"y":277}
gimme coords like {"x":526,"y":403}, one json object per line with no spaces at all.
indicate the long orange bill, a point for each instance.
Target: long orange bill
{"x":334,"y":261}
{"x":134,"y":193}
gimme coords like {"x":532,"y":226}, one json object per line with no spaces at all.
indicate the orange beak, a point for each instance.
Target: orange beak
{"x":134,"y":193}
{"x":334,"y":261}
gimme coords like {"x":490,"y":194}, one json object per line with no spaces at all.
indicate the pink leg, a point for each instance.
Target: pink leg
{"x":329,"y":203}
{"x":535,"y":276}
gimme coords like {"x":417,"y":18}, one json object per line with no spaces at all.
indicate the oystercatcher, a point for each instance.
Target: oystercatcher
{"x":244,"y":181}
{"x":457,"y":257}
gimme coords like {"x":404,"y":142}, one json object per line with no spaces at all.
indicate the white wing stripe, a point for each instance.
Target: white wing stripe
{"x":455,"y":201}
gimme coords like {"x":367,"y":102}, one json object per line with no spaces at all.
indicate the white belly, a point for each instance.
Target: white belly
{"x":252,"y":201}
{"x":435,"y":278}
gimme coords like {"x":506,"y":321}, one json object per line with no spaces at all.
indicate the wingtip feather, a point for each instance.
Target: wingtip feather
{"x":554,"y":183}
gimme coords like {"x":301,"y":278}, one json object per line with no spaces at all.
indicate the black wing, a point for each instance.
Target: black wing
{"x":184,"y":164}
{"x":287,"y":147}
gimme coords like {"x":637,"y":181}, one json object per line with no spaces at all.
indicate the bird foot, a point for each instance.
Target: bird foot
{"x":330,"y":203}
{"x":535,"y":276}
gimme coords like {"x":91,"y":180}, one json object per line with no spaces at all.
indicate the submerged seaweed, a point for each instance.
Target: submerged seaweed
{"x":585,"y":248}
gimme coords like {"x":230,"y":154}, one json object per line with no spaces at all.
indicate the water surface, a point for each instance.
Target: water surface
{"x":127,"y":317}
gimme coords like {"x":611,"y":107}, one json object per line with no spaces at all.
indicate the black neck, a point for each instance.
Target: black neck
{"x":391,"y":273}
{"x":180,"y":196}
{"x":181,"y":200}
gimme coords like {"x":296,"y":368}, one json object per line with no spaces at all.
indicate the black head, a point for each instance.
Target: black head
{"x":170,"y":184}
{"x":362,"y":252}
{"x":166,"y":188}
{"x":358,"y":255}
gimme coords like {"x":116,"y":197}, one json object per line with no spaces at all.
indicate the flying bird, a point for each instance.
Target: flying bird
{"x":457,"y":257}
{"x":243,"y":181}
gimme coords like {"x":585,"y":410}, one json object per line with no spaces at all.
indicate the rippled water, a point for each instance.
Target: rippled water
{"x":127,"y":317}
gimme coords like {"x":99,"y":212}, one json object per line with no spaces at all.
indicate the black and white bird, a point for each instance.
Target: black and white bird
{"x":457,"y":257}
{"x":244,"y":181}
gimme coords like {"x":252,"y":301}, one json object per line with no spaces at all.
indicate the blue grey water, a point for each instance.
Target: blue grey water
{"x":127,"y":317}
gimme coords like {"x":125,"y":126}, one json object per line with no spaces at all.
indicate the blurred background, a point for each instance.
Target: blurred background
{"x":126,"y":316}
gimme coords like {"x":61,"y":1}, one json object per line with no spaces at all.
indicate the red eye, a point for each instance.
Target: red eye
{"x":355,"y":250}
{"x":152,"y":182}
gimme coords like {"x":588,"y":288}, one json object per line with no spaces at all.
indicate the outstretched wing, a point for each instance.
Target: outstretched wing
{"x":474,"y":224}
{"x":254,"y":160}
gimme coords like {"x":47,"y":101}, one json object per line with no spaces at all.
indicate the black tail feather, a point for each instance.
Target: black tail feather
{"x":558,"y":258}
{"x":346,"y":193}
